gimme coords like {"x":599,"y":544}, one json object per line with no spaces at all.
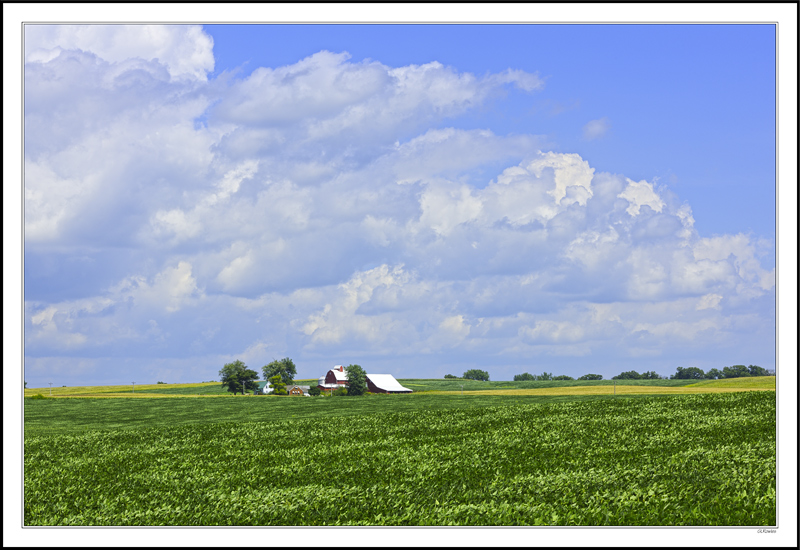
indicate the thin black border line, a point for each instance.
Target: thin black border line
{"x":606,"y":23}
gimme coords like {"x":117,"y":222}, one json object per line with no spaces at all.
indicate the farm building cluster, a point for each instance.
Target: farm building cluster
{"x":337,"y":378}
{"x":376,"y":383}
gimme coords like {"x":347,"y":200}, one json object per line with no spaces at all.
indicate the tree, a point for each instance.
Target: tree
{"x":688,"y":373}
{"x":26,"y":385}
{"x":523,"y":377}
{"x":591,"y":377}
{"x":736,"y":371}
{"x":451,"y":376}
{"x":650,"y":375}
{"x":545,"y":376}
{"x":356,"y":380}
{"x":238,"y":378}
{"x":284,"y":367}
{"x":714,"y":374}
{"x":314,"y":391}
{"x":476,"y":374}
{"x":628,"y":375}
{"x":563,"y":377}
{"x":755,"y":370}
{"x":278,"y":387}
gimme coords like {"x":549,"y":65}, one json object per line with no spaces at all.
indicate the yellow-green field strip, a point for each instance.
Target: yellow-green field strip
{"x":764,"y":383}
{"x":605,"y":390}
{"x":140,"y":391}
{"x":134,"y":395}
{"x":119,"y":391}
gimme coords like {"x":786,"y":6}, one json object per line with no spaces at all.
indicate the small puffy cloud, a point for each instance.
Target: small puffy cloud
{"x":595,"y":129}
{"x":640,"y":194}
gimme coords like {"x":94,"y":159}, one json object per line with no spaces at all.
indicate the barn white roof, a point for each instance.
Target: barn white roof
{"x":339,"y":374}
{"x":386,"y":382}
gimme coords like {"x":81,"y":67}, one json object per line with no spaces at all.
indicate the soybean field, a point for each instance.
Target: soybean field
{"x":676,"y":460}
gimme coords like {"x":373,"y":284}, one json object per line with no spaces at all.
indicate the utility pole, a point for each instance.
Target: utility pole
{"x":134,"y":387}
{"x":51,"y":389}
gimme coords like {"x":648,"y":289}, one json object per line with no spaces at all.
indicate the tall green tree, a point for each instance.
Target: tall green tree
{"x":627,"y":375}
{"x":689,"y":373}
{"x":523,"y":377}
{"x":278,"y":387}
{"x":591,"y":377}
{"x":284,"y":367}
{"x":356,"y":380}
{"x":545,"y":376}
{"x":650,"y":375}
{"x":736,"y":371}
{"x":714,"y":374}
{"x":755,"y":370}
{"x":236,"y":377}
{"x":476,"y":374}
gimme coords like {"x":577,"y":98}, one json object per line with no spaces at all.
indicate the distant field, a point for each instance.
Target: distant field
{"x":202,"y":388}
{"x":761,"y":383}
{"x":143,"y":390}
{"x":749,"y":383}
{"x":439,"y":386}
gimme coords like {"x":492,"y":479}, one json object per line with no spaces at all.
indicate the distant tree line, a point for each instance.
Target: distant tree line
{"x":683,"y":373}
{"x":735,"y":371}
{"x":544,"y":376}
{"x":633,"y":375}
{"x":476,"y":374}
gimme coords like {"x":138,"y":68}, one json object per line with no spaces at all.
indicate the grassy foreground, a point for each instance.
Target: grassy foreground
{"x":705,"y":459}
{"x":59,"y":416}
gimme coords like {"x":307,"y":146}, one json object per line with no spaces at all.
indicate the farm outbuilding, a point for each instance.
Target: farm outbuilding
{"x":297,"y":390}
{"x":385,"y":383}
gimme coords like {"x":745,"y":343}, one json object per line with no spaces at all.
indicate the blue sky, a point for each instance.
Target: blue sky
{"x":420,"y":200}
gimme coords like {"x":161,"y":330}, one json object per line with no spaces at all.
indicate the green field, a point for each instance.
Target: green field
{"x":215,"y":389}
{"x":425,"y":459}
{"x":58,"y":416}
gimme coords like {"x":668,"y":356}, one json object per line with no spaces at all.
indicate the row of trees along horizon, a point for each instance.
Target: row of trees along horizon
{"x":237,"y":378}
{"x":682,"y":373}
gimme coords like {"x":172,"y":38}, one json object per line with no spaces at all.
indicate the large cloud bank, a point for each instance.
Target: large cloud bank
{"x":329,"y":211}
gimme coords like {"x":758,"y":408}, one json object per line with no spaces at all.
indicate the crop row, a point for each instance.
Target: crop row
{"x":688,"y":460}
